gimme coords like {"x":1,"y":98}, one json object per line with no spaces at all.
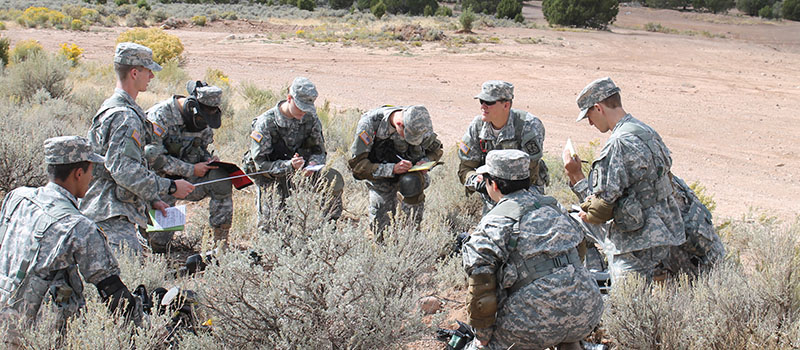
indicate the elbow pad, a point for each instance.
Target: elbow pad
{"x":482,"y":300}
{"x":597,"y":210}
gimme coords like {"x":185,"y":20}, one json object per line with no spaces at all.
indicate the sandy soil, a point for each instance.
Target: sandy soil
{"x":725,"y":106}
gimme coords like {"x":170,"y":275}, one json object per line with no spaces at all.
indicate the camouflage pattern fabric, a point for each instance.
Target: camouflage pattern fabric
{"x":124,"y":186}
{"x":703,"y":247}
{"x":509,"y":164}
{"x":496,"y":90}
{"x":209,"y":95}
{"x":563,"y":306}
{"x":593,"y":93}
{"x":133,"y":54}
{"x":374,"y":128}
{"x":304,"y":93}
{"x":70,"y":248}
{"x":68,"y":150}
{"x":272,"y":130}
{"x":480,"y":139}
{"x":624,"y":163}
{"x":121,"y":232}
{"x":179,"y":149}
{"x":416,"y":124}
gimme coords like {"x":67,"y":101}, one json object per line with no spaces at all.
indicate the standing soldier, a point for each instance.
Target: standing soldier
{"x":47,"y":247}
{"x":630,"y":183}
{"x":182,"y":131}
{"x":123,"y":187}
{"x":500,"y":127}
{"x":527,"y":286}
{"x":389,"y":141}
{"x":288,"y":138}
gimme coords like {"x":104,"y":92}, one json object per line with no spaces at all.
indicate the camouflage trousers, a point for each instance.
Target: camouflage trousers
{"x":121,"y":232}
{"x":220,"y":206}
{"x":322,"y":181}
{"x":383,"y":200}
{"x":646,"y":262}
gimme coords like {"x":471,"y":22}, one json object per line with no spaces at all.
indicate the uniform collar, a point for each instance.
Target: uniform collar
{"x":628,"y":117}
{"x":284,"y":121}
{"x":62,"y":191}
{"x":129,"y":101}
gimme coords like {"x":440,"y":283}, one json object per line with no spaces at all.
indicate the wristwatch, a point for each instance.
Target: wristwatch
{"x":172,"y":187}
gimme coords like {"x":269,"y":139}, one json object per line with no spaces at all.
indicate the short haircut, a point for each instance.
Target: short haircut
{"x":508,"y":186}
{"x":61,"y":172}
{"x":122,"y":70}
{"x":613,"y":101}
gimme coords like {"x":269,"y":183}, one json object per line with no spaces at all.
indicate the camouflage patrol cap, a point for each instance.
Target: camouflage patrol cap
{"x":509,"y":164}
{"x":208,"y":95}
{"x":495,"y":90}
{"x":416,"y":124}
{"x":304,"y":93}
{"x":133,"y":54}
{"x":69,"y":149}
{"x":593,"y":93}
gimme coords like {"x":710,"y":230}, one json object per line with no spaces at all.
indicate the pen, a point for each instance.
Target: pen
{"x":398,"y":157}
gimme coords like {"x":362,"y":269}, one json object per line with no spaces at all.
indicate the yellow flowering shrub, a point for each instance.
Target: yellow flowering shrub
{"x":165,"y":46}
{"x":72,"y":52}
{"x":24,"y":50}
{"x":41,"y":17}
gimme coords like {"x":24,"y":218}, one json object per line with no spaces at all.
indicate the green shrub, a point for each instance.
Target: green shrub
{"x":413,"y":7}
{"x":580,"y":13}
{"x":165,"y":46}
{"x":668,"y":4}
{"x":199,"y":20}
{"x":2,"y":26}
{"x":25,"y":49}
{"x":365,"y":4}
{"x":121,"y":2}
{"x":159,"y":15}
{"x":791,"y":10}
{"x":341,"y":4}
{"x":765,"y":12}
{"x":715,"y":6}
{"x":444,"y":11}
{"x":519,"y":18}
{"x":488,"y":7}
{"x":4,"y":45}
{"x":509,"y":9}
{"x":379,"y":9}
{"x":137,"y":18}
{"x":307,"y":5}
{"x":230,"y":15}
{"x":40,"y":71}
{"x":465,"y":19}
{"x":428,"y":11}
{"x":751,"y":7}
{"x":143,"y":4}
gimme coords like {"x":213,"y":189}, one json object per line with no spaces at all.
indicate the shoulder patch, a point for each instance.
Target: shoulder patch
{"x":136,"y":137}
{"x":157,"y":129}
{"x":364,"y":136}
{"x":256,"y":136}
{"x":463,"y":147}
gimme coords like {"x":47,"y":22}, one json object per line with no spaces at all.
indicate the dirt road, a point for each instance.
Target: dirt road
{"x":727,"y":107}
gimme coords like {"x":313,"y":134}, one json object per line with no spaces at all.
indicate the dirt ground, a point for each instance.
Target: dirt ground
{"x":724,"y":105}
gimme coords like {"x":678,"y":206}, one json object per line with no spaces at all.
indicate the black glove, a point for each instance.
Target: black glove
{"x":456,"y":339}
{"x":480,"y":187}
{"x":113,"y":291}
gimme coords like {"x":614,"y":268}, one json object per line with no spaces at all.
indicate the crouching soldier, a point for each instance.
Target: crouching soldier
{"x":182,"y":130}
{"x":288,"y":138}
{"x":389,"y":141}
{"x":47,"y":247}
{"x":527,"y":286}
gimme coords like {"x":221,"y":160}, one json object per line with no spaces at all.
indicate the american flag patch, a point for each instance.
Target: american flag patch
{"x":255,"y":135}
{"x":135,"y":136}
{"x":364,"y":136}
{"x":463,"y":147}
{"x":158,"y":130}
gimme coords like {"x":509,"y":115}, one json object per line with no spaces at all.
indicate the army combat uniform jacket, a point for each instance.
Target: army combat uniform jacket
{"x":275,"y":138}
{"x":124,"y":186}
{"x":178,"y":149}
{"x":545,"y":295}
{"x":378,"y":147}
{"x":46,"y":247}
{"x":523,"y":131}
{"x":632,"y":173}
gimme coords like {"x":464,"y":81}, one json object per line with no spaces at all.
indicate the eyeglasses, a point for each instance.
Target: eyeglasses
{"x":488,"y":103}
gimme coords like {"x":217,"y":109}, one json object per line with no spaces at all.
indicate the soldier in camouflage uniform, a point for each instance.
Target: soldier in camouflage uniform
{"x":47,"y":245}
{"x":527,"y":286}
{"x":500,"y":127}
{"x":389,"y":141}
{"x":288,"y":138}
{"x":124,"y":186}
{"x":182,"y":130}
{"x":630,"y":184}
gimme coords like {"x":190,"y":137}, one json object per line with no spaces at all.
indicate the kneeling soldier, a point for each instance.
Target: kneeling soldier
{"x":527,"y":286}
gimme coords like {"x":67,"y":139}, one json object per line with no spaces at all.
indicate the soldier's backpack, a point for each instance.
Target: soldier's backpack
{"x":702,"y":241}
{"x":32,"y":219}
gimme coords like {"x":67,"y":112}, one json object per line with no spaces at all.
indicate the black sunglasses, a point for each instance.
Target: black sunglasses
{"x":489,"y":103}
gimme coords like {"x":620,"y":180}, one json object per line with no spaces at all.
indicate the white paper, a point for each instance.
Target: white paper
{"x":176,"y":216}
{"x":316,"y":167}
{"x":569,"y":151}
